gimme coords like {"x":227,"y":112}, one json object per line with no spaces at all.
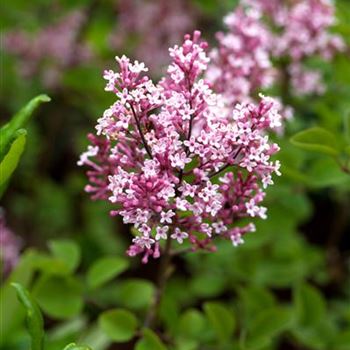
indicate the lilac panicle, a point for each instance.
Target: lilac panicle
{"x":260,"y":31}
{"x":303,"y":30}
{"x":178,"y":162}
{"x":241,"y":64}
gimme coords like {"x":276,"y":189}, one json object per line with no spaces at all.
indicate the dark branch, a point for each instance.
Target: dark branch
{"x":219,"y":171}
{"x":140,"y":132}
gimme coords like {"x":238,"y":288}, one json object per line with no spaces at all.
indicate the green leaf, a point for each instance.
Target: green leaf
{"x":318,"y":140}
{"x":221,"y":320}
{"x":310,"y":305}
{"x":67,"y":330}
{"x":11,"y":310}
{"x":95,"y":337}
{"x":319,"y":337}
{"x":253,"y":300}
{"x":325,"y":172}
{"x":17,"y":122}
{"x":73,"y":346}
{"x":35,"y":322}
{"x":347,"y":150}
{"x":60,"y":297}
{"x":105,"y":269}
{"x":347,"y":126}
{"x":207,"y":285}
{"x":342,"y":341}
{"x":67,"y":251}
{"x":118,"y":324}
{"x":50,"y":265}
{"x":192,"y":324}
{"x":149,"y":341}
{"x":11,"y":159}
{"x":266,"y":325}
{"x":136,"y":293}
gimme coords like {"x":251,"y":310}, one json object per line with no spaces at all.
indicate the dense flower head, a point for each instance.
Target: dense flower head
{"x":172,"y":159}
{"x":10,"y":246}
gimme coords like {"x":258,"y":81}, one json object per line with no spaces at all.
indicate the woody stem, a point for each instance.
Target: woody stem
{"x":163,"y":276}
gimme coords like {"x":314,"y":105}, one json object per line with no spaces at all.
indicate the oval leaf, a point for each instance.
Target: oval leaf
{"x":105,"y":269}
{"x":310,"y":305}
{"x":49,"y":265}
{"x":136,"y":293}
{"x":221,"y":320}
{"x":118,"y":324}
{"x":149,"y":341}
{"x":35,"y":322}
{"x":67,"y":251}
{"x":317,"y":140}
{"x":60,"y":297}
{"x":266,"y":325}
{"x":192,"y":324}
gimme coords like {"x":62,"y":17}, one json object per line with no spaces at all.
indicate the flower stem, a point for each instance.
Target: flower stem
{"x":163,"y":276}
{"x":140,"y":132}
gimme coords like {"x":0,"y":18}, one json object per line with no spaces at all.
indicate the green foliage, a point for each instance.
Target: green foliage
{"x":11,"y":310}
{"x":312,"y":327}
{"x":135,"y":293}
{"x":34,"y":319}
{"x":192,"y":324}
{"x":105,"y":269}
{"x":118,"y":324}
{"x":13,"y":140}
{"x":66,"y":251}
{"x":342,"y":341}
{"x":10,"y":161}
{"x":317,"y":140}
{"x":347,"y":127}
{"x":266,"y":325}
{"x":310,"y":305}
{"x":287,"y":286}
{"x":19,"y":121}
{"x":59,"y":296}
{"x":149,"y":341}
{"x":220,"y":319}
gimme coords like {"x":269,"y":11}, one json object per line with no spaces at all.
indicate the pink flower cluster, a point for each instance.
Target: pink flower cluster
{"x":260,"y":31}
{"x":154,"y":25}
{"x":303,"y":31}
{"x":241,"y":64}
{"x":304,"y":27}
{"x":53,"y":48}
{"x":10,"y":246}
{"x":172,"y":161}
